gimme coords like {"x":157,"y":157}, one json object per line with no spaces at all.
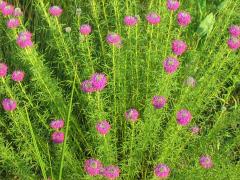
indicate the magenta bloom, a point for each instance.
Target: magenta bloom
{"x":9,"y":104}
{"x":93,"y":167}
{"x":85,"y":29}
{"x":3,"y":4}
{"x":3,"y":69}
{"x":55,"y":11}
{"x":171,"y":65}
{"x":114,"y":39}
{"x":18,"y":76}
{"x":183,"y":117}
{"x":57,"y":137}
{"x":191,"y":82}
{"x":162,"y":171}
{"x":206,"y":162}
{"x":13,"y":23}
{"x":195,"y":129}
{"x":130,"y":20}
{"x":111,"y":172}
{"x":57,"y":124}
{"x":159,"y":102}
{"x":153,"y":18}
{"x":179,"y":47}
{"x":132,"y":115}
{"x":184,"y":18}
{"x":173,"y":5}
{"x":87,"y":86}
{"x":233,"y":43}
{"x":17,"y":12}
{"x":234,"y":31}
{"x":99,"y":81}
{"x":7,"y":10}
{"x":103,"y":127}
{"x":24,"y":39}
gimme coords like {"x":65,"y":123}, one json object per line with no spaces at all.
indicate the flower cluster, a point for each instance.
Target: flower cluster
{"x":132,"y":115}
{"x":103,"y":127}
{"x":162,"y":171}
{"x":57,"y":136}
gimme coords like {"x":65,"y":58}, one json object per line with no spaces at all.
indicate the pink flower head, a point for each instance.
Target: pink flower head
{"x":103,"y":127}
{"x":57,"y":137}
{"x":130,"y":20}
{"x":111,"y":172}
{"x":85,"y":29}
{"x":3,"y":69}
{"x":3,"y":4}
{"x":17,"y":12}
{"x":9,"y":104}
{"x":24,"y":39}
{"x":162,"y":171}
{"x":57,"y":124}
{"x":18,"y":76}
{"x":183,"y":117}
{"x":132,"y":115}
{"x":233,"y":43}
{"x":7,"y":10}
{"x":159,"y":102}
{"x":173,"y":5}
{"x":13,"y":23}
{"x":99,"y":81}
{"x":93,"y":167}
{"x":171,"y":65}
{"x":195,"y":129}
{"x":55,"y":11}
{"x":87,"y":86}
{"x":206,"y":162}
{"x":113,"y":39}
{"x":184,"y":18}
{"x":153,"y":18}
{"x":191,"y":82}
{"x":179,"y":47}
{"x":234,"y":31}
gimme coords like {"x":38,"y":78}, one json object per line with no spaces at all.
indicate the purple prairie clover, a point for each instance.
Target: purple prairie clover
{"x":111,"y":172}
{"x":183,"y":117}
{"x":171,"y":65}
{"x":233,"y":43}
{"x":99,"y":81}
{"x":8,"y":10}
{"x":179,"y":47}
{"x":162,"y":171}
{"x":173,"y":5}
{"x":159,"y":102}
{"x":190,"y":81}
{"x":18,"y":76}
{"x":57,"y":137}
{"x":206,"y":162}
{"x":93,"y":167}
{"x":55,"y":11}
{"x":234,"y":31}
{"x":132,"y":115}
{"x":130,"y":20}
{"x":3,"y":4}
{"x":9,"y":104}
{"x":24,"y":39}
{"x":183,"y":18}
{"x":85,"y":29}
{"x":114,"y":39}
{"x":17,"y":12}
{"x":103,"y":127}
{"x":3,"y":69}
{"x":57,"y":124}
{"x":13,"y":23}
{"x":195,"y":130}
{"x":153,"y":18}
{"x":87,"y":86}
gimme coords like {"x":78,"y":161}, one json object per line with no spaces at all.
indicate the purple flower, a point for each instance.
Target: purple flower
{"x":233,"y":43}
{"x":183,"y":117}
{"x":3,"y":69}
{"x":85,"y":29}
{"x":17,"y":12}
{"x":234,"y":31}
{"x":132,"y":115}
{"x":57,"y":124}
{"x":171,"y":65}
{"x":3,"y":4}
{"x":190,"y":81}
{"x":195,"y":129}
{"x":24,"y":39}
{"x":87,"y":86}
{"x":114,"y":39}
{"x":103,"y":127}
{"x":153,"y":18}
{"x":7,"y":10}
{"x":159,"y":102}
{"x":179,"y":47}
{"x":162,"y":171}
{"x":184,"y":18}
{"x":111,"y":172}
{"x":55,"y":11}
{"x":99,"y":81}
{"x":18,"y":76}
{"x":206,"y":162}
{"x":130,"y":20}
{"x":173,"y":5}
{"x":9,"y":104}
{"x":13,"y":23}
{"x":57,"y":137}
{"x":93,"y":167}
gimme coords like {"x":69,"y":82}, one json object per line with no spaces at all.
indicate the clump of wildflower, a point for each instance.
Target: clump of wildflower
{"x":18,"y":76}
{"x":183,"y":117}
{"x":153,"y":18}
{"x":159,"y":101}
{"x":57,"y":137}
{"x":13,"y":23}
{"x":179,"y":47}
{"x":78,"y":11}
{"x":195,"y":129}
{"x":111,"y":172}
{"x":99,"y":81}
{"x":171,"y":65}
{"x":55,"y":11}
{"x":68,"y":29}
{"x":3,"y":4}
{"x":173,"y":5}
{"x":93,"y":167}
{"x":190,"y":81}
{"x":114,"y":39}
{"x":233,"y":43}
{"x":17,"y":12}
{"x":234,"y":31}
{"x":87,"y":86}
{"x":184,"y":18}
{"x":103,"y":127}
{"x":3,"y":69}
{"x":57,"y":124}
{"x":162,"y":171}
{"x":206,"y":162}
{"x":132,"y":115}
{"x":9,"y":104}
{"x":24,"y":39}
{"x":7,"y":10}
{"x":130,"y":20}
{"x":85,"y":29}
